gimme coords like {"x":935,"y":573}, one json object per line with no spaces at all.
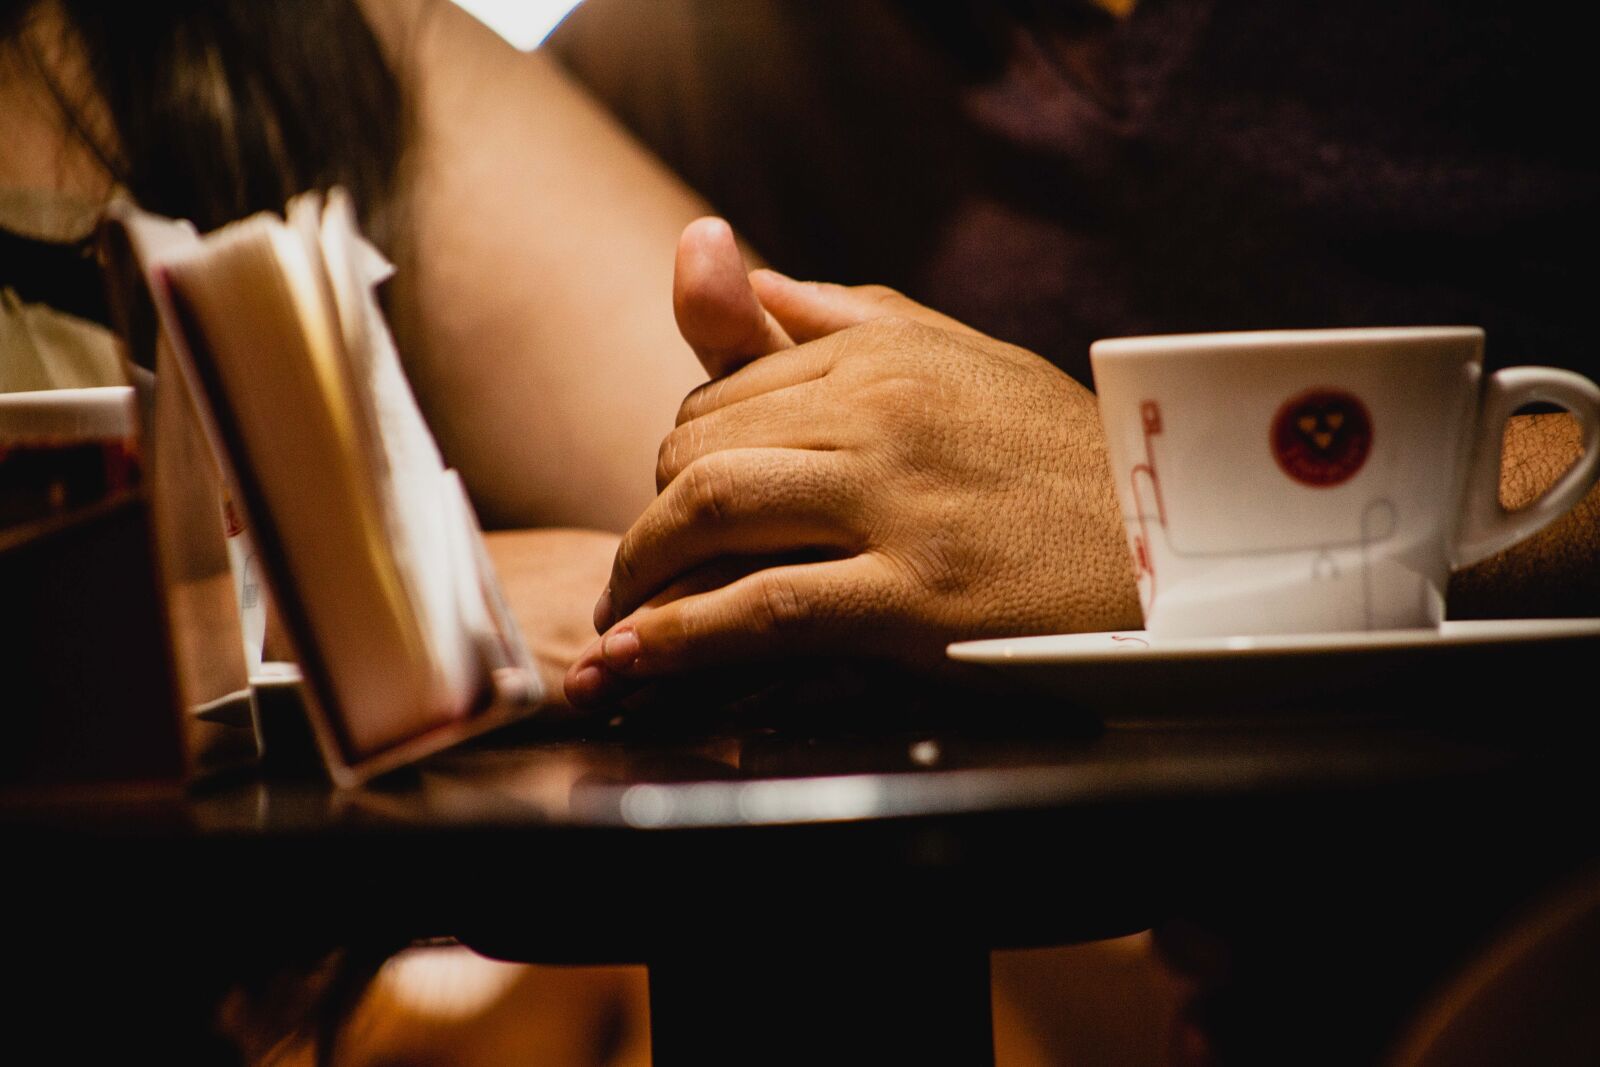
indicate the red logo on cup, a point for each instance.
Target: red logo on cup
{"x":1322,"y":437}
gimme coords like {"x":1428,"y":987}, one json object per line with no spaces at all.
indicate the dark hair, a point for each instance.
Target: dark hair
{"x":225,"y":107}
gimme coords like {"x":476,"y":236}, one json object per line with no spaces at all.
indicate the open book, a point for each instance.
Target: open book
{"x":369,"y":543}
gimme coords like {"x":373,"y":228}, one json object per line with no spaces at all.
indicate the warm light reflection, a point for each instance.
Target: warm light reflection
{"x":784,"y":800}
{"x":525,"y":23}
{"x":446,"y":981}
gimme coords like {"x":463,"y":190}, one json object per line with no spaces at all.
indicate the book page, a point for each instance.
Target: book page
{"x":410,"y":471}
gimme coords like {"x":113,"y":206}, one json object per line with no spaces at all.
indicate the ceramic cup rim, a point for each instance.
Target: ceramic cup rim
{"x":1298,"y":343}
{"x":92,"y":413}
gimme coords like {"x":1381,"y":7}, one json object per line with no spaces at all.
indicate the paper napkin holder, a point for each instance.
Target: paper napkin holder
{"x":512,"y":685}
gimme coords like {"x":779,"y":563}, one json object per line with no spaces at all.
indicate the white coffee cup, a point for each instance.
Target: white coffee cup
{"x":61,"y":449}
{"x":1311,"y":481}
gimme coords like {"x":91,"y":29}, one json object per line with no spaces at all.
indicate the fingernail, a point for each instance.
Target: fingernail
{"x":778,"y":274}
{"x":585,"y":686}
{"x":602,"y":612}
{"x":620,"y":649}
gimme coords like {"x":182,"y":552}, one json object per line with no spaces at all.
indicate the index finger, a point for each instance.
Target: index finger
{"x":791,"y":366}
{"x":808,"y":310}
{"x":795,"y":609}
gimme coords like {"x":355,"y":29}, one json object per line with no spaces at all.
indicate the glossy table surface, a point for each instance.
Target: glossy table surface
{"x":749,"y":848}
{"x":994,"y":806}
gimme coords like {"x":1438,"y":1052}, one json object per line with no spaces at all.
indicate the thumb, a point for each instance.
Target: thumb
{"x":717,"y":310}
{"x":809,"y":310}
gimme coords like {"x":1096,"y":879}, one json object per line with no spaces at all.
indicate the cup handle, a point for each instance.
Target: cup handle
{"x":1486,"y":527}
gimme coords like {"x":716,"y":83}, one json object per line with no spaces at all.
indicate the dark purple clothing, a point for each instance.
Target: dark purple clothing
{"x":1051,"y":174}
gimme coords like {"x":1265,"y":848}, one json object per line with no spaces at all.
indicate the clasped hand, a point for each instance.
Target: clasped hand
{"x":862,"y":477}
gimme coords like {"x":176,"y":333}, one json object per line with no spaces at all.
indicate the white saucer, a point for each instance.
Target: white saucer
{"x":1134,"y":673}
{"x":233,"y":709}
{"x":275,"y":674}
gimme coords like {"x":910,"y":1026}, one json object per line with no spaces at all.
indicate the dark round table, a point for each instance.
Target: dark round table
{"x":830,"y":895}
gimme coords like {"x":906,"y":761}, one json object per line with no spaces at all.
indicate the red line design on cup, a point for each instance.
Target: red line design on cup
{"x":232,"y":525}
{"x":1143,"y":560}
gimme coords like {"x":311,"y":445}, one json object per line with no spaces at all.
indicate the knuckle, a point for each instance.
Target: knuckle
{"x":625,"y":565}
{"x":701,"y":399}
{"x":882,"y":295}
{"x":902,"y":394}
{"x":904,"y":329}
{"x":863,"y":351}
{"x":777,"y":605}
{"x":667,"y":467}
{"x":933,"y":569}
{"x":892,"y":340}
{"x":710,"y":492}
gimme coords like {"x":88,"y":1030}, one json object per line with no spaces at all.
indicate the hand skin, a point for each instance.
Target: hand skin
{"x":924,"y":482}
{"x":896,"y":480}
{"x":548,"y":577}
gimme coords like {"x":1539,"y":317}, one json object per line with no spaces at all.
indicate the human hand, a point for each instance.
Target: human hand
{"x":899,"y":479}
{"x":547,"y":576}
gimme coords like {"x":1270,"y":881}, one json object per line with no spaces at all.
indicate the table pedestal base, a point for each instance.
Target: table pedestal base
{"x":822,"y":1004}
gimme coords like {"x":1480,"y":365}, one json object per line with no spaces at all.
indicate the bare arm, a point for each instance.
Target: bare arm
{"x":1557,"y":571}
{"x":533,"y":302}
